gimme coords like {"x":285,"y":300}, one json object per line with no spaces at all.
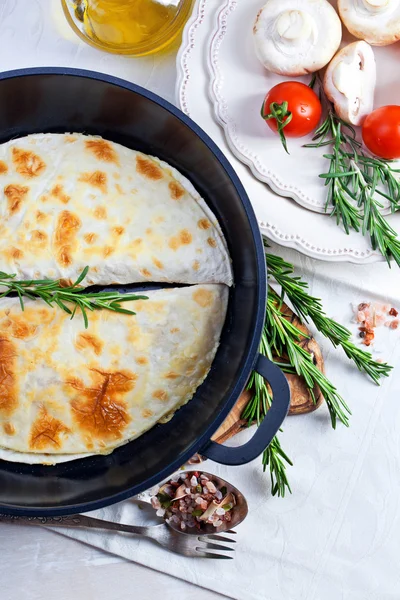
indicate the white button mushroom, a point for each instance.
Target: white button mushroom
{"x":349,"y":82}
{"x":296,"y":37}
{"x":375,"y":21}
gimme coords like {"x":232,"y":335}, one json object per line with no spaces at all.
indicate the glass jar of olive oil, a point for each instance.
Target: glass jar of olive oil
{"x":133,"y":27}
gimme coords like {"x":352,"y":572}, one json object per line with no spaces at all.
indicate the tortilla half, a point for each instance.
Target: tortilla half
{"x":67,"y":390}
{"x":67,"y":201}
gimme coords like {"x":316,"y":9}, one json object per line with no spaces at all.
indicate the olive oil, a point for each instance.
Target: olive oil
{"x":133,"y":27}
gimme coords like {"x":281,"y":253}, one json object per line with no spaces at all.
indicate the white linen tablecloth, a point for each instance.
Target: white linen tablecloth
{"x":336,"y":536}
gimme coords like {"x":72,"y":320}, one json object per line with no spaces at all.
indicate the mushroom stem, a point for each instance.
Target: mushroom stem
{"x":295,"y":25}
{"x":376,"y":5}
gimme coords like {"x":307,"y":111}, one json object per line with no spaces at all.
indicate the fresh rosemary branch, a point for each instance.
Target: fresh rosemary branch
{"x":309,"y":307}
{"x":273,"y":456}
{"x":281,"y":339}
{"x":54,"y":293}
{"x":284,"y":338}
{"x":355,"y":180}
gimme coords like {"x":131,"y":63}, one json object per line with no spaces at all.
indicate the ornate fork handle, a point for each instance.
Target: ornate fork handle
{"x":81,"y":521}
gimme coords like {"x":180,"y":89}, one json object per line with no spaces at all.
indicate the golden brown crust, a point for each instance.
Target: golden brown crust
{"x":91,"y":341}
{"x":184,"y":238}
{"x":27,"y":163}
{"x":97,"y":179}
{"x":65,"y":242}
{"x":102,"y":150}
{"x":145,"y":273}
{"x":9,"y":428}
{"x":146,"y":413}
{"x":203,"y":297}
{"x":160,"y":395}
{"x":18,"y":326}
{"x":15,"y":195}
{"x":58,"y":192}
{"x":46,"y":432}
{"x":204,"y":224}
{"x":14,"y":253}
{"x":8,"y":378}
{"x":90,"y":238}
{"x":177,"y":191}
{"x":118,"y":230}
{"x":142,"y":360}
{"x":100,"y":410}
{"x":107,"y":251}
{"x":39,"y":238}
{"x":171,"y":375}
{"x":100,"y":212}
{"x":147,"y":168}
{"x":157,"y":263}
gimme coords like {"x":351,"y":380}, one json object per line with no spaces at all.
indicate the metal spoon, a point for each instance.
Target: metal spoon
{"x":238,"y":512}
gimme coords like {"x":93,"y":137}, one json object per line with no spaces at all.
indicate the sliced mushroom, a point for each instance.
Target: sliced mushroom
{"x":296,"y":37}
{"x":375,"y":21}
{"x":349,"y":82}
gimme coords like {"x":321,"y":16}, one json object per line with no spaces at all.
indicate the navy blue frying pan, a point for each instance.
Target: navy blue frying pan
{"x":62,"y":100}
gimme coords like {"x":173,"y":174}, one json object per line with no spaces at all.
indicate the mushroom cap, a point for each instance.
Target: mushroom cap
{"x":296,"y":37}
{"x":375,"y":21}
{"x":349,"y":82}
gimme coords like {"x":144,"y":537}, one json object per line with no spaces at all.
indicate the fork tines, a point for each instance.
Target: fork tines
{"x":206,"y":545}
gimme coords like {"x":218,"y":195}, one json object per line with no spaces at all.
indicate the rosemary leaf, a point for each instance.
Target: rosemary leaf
{"x":352,"y":185}
{"x":54,"y":293}
{"x":309,"y":307}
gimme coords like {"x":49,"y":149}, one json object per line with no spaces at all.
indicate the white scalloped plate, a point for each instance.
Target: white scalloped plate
{"x":238,"y":85}
{"x":281,"y":219}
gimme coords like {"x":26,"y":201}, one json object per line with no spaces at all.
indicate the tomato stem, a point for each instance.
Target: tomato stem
{"x":282,"y":116}
{"x":312,"y":82}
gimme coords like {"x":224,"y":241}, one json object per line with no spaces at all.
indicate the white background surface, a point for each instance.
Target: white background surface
{"x":336,"y":537}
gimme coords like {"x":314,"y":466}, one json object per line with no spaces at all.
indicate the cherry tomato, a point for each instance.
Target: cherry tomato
{"x":381,"y":132}
{"x":300,"y":101}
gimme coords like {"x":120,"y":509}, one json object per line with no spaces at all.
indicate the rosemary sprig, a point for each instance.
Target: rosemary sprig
{"x":55,"y":293}
{"x":354,"y":181}
{"x":284,"y":341}
{"x":281,"y":339}
{"x":310,"y":308}
{"x":273,"y":456}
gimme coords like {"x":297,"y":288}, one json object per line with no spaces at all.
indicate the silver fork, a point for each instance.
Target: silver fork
{"x":198,"y":546}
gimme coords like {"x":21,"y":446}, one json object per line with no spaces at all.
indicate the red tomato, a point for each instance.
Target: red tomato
{"x":381,"y":132}
{"x":303,"y":103}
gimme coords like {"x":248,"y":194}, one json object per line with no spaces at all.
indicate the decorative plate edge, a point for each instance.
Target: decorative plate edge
{"x":184,"y":52}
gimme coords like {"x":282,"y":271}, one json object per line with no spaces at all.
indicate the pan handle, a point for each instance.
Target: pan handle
{"x":269,"y":426}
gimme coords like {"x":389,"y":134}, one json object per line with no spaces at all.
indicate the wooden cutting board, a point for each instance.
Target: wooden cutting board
{"x":301,"y":399}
